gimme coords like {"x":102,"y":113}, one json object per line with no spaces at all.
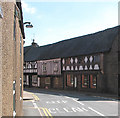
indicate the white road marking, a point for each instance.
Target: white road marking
{"x":84,"y":109}
{"x":53,"y":102}
{"x":78,"y":101}
{"x":35,"y":105}
{"x":67,"y":110}
{"x":56,"y":102}
{"x":96,"y":111}
{"x":63,"y":101}
{"x":60,"y":111}
{"x":52,"y":110}
{"x":77,"y":109}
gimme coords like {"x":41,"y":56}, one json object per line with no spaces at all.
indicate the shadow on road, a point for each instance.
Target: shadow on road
{"x":73,"y":94}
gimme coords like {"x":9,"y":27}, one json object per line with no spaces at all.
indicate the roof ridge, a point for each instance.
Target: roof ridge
{"x":81,"y":36}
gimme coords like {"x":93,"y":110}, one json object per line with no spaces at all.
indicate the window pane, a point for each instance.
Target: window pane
{"x":20,"y":45}
{"x":56,"y":80}
{"x":69,"y":80}
{"x":85,"y":81}
{"x":20,"y":87}
{"x":14,"y":95}
{"x":44,"y":68}
{"x":75,"y":82}
{"x":93,"y":81}
{"x":47,"y":80}
{"x":56,"y":66}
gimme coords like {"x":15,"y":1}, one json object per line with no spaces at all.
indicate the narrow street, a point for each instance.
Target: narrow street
{"x":51,"y":103}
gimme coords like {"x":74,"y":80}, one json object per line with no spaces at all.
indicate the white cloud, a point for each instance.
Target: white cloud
{"x":27,"y":8}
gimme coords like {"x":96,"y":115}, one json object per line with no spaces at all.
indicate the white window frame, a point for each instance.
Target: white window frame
{"x":14,"y":92}
{"x":1,"y":13}
{"x":20,"y":88}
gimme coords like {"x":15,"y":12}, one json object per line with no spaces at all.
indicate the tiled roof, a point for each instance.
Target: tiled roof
{"x":83,"y":45}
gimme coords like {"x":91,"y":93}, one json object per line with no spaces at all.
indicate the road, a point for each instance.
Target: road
{"x":49,"y":104}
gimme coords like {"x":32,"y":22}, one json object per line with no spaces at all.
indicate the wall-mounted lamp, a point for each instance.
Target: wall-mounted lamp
{"x":28,"y":24}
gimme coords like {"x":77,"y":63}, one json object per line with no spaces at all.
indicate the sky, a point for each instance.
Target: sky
{"x":55,"y":21}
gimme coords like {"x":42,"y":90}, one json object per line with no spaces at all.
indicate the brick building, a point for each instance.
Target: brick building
{"x":86,"y":62}
{"x":11,"y":58}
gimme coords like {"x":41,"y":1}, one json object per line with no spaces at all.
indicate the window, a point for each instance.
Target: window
{"x":56,"y":80}
{"x":14,"y":104}
{"x":1,"y":14}
{"x":20,"y":88}
{"x":85,"y":81}
{"x":34,"y":80}
{"x":20,"y":45}
{"x":75,"y":82}
{"x":69,"y":81}
{"x":44,"y":67}
{"x":24,"y":78}
{"x":14,"y":33}
{"x":56,"y":66}
{"x":47,"y":80}
{"x":93,"y":81}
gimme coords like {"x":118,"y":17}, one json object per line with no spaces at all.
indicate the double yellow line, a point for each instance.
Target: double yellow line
{"x":36,"y":98}
{"x":46,"y":112}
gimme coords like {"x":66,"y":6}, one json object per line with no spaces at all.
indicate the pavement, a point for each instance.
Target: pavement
{"x":27,"y":95}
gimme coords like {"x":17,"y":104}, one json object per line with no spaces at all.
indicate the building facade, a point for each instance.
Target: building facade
{"x":30,"y":74}
{"x":86,"y":63}
{"x":82,"y":72}
{"x":49,"y":73}
{"x":11,"y":58}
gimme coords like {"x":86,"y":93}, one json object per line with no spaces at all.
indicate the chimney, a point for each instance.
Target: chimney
{"x":34,"y":44}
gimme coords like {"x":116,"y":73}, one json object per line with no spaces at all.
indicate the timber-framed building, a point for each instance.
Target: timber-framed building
{"x":85,"y":63}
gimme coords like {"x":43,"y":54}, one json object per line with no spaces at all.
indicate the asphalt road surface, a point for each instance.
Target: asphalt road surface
{"x":50,"y":104}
